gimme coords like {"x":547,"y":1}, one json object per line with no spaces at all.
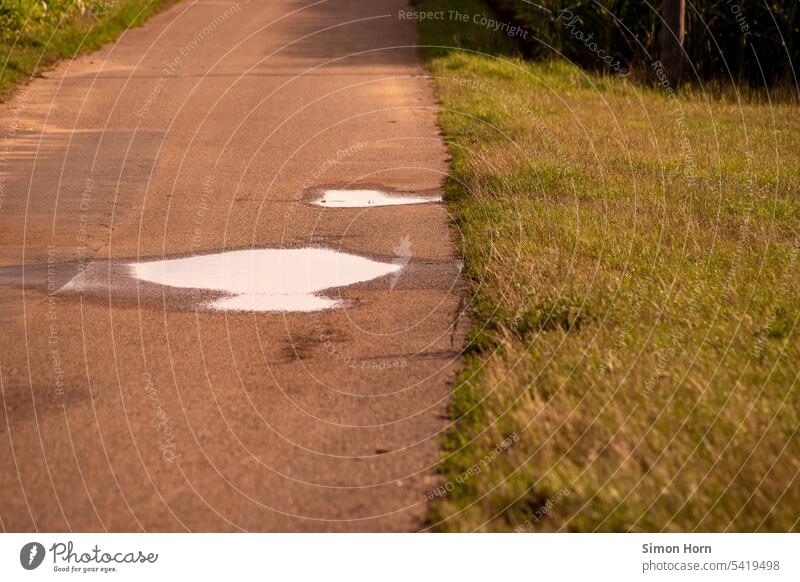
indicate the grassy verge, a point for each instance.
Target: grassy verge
{"x":31,"y":42}
{"x":634,"y":266}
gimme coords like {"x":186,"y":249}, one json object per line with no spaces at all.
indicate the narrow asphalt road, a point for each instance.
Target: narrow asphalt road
{"x":134,"y":407}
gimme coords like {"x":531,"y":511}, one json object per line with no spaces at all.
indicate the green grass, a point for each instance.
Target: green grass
{"x":30,"y":43}
{"x":635,"y":302}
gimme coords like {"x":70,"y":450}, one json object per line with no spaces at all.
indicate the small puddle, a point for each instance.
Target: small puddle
{"x":261,"y":280}
{"x":366,"y":198}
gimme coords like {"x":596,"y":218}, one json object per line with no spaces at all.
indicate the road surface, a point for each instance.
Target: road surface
{"x":134,"y":407}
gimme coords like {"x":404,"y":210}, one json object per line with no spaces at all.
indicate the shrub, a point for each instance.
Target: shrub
{"x":737,"y":40}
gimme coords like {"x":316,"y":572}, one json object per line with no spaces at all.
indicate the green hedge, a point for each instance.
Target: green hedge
{"x":739,"y":40}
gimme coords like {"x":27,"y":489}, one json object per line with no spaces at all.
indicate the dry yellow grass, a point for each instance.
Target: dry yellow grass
{"x":634,"y":264}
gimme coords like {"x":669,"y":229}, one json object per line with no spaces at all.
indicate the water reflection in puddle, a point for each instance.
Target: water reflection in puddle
{"x":248,"y":280}
{"x":365,"y":198}
{"x":266,"y":279}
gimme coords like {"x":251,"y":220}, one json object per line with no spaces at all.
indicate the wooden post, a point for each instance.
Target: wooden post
{"x":673,"y":13}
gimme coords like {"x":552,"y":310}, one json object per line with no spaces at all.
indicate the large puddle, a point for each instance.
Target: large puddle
{"x":366,"y":198}
{"x":250,"y":280}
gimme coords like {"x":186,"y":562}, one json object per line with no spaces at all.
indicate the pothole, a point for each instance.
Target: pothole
{"x":333,"y":198}
{"x":260,"y":280}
